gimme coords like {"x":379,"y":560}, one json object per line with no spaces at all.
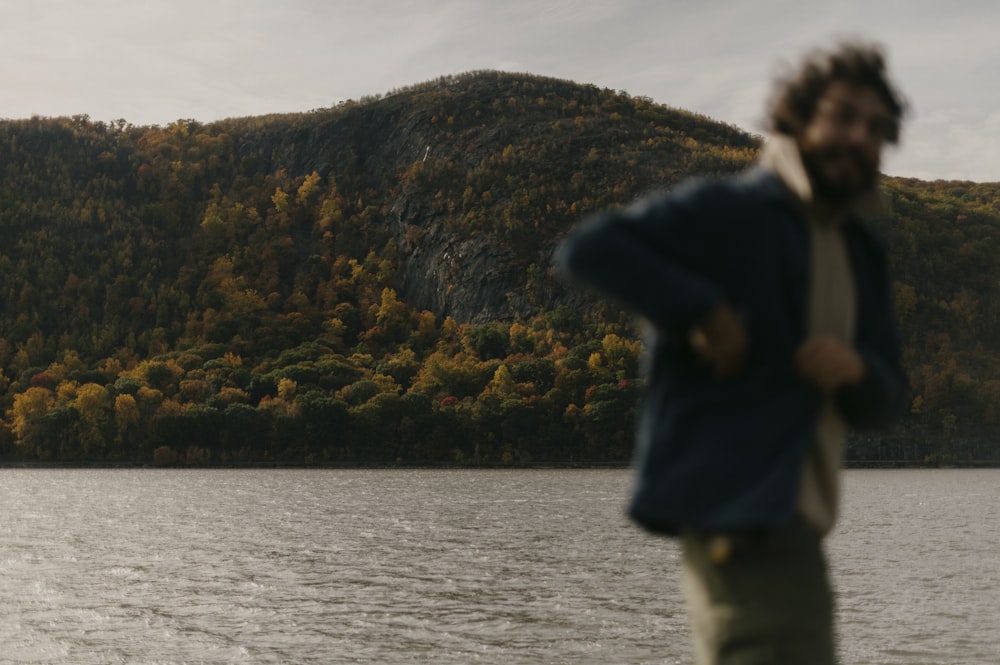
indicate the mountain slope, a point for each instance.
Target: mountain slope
{"x":372,"y":282}
{"x":479,"y":174}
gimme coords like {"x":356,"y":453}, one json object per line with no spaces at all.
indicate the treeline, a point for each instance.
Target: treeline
{"x":269,"y":345}
{"x":544,"y":392}
{"x":370,"y":284}
{"x":945,"y":243}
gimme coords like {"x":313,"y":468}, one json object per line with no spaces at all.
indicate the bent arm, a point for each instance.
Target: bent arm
{"x":645,"y":258}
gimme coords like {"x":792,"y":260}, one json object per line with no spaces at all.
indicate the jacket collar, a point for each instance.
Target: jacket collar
{"x":780,"y":157}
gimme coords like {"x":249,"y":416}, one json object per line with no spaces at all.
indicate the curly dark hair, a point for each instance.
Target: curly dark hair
{"x":794,"y":100}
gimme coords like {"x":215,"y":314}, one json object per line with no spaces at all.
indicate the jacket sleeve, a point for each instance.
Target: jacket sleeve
{"x":877,"y":401}
{"x":647,"y":257}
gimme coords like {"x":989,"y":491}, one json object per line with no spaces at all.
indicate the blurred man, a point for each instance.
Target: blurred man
{"x":775,"y":330}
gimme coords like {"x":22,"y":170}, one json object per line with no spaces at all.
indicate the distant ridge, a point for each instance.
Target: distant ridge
{"x":260,"y":289}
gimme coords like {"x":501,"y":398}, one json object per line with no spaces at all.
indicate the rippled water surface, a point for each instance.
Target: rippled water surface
{"x":446,"y":567}
{"x":916,"y":563}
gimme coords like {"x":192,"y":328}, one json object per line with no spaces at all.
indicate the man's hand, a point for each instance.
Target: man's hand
{"x":829,"y":363}
{"x":720,"y":342}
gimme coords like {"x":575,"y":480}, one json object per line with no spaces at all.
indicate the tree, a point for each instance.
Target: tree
{"x":29,"y":407}
{"x":91,"y":404}
{"x":127,"y":418}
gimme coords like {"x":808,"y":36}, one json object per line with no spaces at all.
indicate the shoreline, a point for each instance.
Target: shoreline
{"x":848,"y":464}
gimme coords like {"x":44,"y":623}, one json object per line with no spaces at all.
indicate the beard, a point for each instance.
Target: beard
{"x":839,"y":174}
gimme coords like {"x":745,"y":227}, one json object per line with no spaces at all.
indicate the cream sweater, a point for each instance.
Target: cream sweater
{"x":831,"y":311}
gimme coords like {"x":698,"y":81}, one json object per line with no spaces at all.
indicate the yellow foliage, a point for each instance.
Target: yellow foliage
{"x":230,"y":395}
{"x":156,"y":372}
{"x":110,"y":368}
{"x":361,"y":359}
{"x":91,"y":402}
{"x":194,"y":390}
{"x":450,"y":330}
{"x":232,"y":359}
{"x":335,"y":329}
{"x":212,"y":218}
{"x":149,"y":395}
{"x":391,"y":310}
{"x":286,"y":389}
{"x":71,"y":363}
{"x":169,"y":407}
{"x":502,"y":382}
{"x":29,"y":407}
{"x":386,"y":383}
{"x":308,"y":186}
{"x":279,"y":406}
{"x":66,"y":391}
{"x":280,"y":200}
{"x":619,"y":351}
{"x":522,"y":338}
{"x":126,"y":411}
{"x":330,"y":214}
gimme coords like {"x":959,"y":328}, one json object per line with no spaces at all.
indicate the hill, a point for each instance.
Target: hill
{"x":371,"y":283}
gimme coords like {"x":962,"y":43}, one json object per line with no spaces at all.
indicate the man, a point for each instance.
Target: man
{"x":775,"y":330}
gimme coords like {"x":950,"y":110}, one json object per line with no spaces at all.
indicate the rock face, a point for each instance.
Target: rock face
{"x":454,"y":276}
{"x":477,"y":177}
{"x":471,"y":280}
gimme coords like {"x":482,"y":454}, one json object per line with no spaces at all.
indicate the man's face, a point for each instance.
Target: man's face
{"x":841,"y":145}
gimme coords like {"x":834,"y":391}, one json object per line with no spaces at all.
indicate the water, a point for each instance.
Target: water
{"x":916,"y":563}
{"x":446,"y":567}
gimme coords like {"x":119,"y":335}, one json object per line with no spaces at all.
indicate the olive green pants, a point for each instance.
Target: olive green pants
{"x":759,"y":597}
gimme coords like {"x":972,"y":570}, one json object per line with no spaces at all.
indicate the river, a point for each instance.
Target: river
{"x":449,"y":567}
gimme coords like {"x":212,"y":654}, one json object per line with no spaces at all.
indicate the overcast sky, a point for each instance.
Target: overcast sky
{"x":156,"y":61}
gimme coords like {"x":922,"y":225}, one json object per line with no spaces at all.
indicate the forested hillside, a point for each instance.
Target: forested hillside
{"x":370,"y":284}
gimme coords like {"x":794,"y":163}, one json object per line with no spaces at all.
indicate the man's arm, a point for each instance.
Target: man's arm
{"x":867,"y":380}
{"x":829,"y":364}
{"x":646,"y":258}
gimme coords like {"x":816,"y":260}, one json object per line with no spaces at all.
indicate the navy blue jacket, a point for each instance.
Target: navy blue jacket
{"x":729,"y":454}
